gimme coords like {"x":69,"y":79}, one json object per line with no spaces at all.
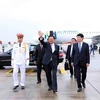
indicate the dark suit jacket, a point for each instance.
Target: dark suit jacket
{"x":48,"y":53}
{"x":68,"y":52}
{"x":83,"y":56}
{"x":39,"y":54}
{"x":92,"y":46}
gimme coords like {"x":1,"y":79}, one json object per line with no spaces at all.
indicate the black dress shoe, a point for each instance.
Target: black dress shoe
{"x":22,"y":87}
{"x":38,"y":82}
{"x":75,"y":77}
{"x":16,"y":88}
{"x":84,"y":85}
{"x":49,"y":89}
{"x":54,"y":91}
{"x":71,"y":76}
{"x":79,"y":90}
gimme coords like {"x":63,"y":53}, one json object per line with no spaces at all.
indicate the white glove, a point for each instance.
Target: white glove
{"x":27,"y":62}
{"x":12,"y":63}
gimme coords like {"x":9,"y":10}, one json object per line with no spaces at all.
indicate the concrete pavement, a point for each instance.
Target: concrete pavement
{"x":67,"y":87}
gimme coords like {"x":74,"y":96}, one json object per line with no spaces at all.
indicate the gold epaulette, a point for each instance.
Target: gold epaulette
{"x":25,"y":46}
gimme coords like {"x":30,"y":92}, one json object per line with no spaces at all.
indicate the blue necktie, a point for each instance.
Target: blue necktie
{"x":79,"y":46}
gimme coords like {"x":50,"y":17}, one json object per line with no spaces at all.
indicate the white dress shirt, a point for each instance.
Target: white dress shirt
{"x":71,"y":50}
{"x":53,"y":47}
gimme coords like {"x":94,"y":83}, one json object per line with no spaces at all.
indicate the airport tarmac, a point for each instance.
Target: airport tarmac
{"x":67,"y":87}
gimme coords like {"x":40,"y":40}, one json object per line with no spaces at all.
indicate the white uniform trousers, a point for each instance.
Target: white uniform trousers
{"x":15,"y":74}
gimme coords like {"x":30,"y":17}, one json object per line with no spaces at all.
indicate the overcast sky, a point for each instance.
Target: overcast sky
{"x":29,"y":16}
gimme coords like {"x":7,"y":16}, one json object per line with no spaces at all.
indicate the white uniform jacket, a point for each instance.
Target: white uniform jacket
{"x":20,"y":55}
{"x":0,"y":48}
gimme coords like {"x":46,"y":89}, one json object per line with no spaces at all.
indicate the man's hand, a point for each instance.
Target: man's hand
{"x":87,"y":65}
{"x":27,"y":62}
{"x":40,"y":34}
{"x":35,"y":62}
{"x":72,"y":64}
{"x":12,"y":62}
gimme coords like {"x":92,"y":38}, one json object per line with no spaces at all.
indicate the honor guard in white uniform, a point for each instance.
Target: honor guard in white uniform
{"x":20,"y":59}
{"x":9,"y":46}
{"x":0,"y":46}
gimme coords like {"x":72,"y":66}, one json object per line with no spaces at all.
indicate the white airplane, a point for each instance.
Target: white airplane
{"x":65,"y":36}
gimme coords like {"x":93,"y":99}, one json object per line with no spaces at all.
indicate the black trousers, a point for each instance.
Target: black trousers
{"x":51,"y":75}
{"x":72,"y":70}
{"x":81,"y":72}
{"x":39,"y":69}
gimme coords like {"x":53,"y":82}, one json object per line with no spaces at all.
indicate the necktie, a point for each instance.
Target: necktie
{"x":79,"y":46}
{"x":19,"y":45}
{"x":41,"y":47}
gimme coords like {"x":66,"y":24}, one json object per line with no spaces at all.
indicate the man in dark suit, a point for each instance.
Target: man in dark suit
{"x":39,"y":53}
{"x":50,"y":61}
{"x":69,"y":56}
{"x":80,"y":60}
{"x":92,"y":48}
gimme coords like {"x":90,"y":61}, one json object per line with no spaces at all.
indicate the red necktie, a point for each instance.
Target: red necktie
{"x":41,"y":47}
